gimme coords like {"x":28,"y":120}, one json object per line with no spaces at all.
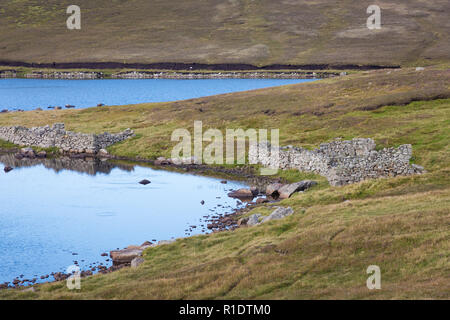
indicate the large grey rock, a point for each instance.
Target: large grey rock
{"x":272,"y":188}
{"x":279,"y":213}
{"x":287,"y":190}
{"x":253,"y":220}
{"x":136,"y":262}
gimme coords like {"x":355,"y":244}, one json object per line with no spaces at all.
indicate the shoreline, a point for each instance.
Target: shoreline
{"x":164,"y":74}
{"x":175,"y":70}
{"x":221,"y":221}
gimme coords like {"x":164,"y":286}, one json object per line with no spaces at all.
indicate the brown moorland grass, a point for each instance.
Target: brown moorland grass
{"x":260,"y":32}
{"x":322,"y":251}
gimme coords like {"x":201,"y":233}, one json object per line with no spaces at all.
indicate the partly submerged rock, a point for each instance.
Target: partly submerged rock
{"x":242,"y":193}
{"x":262,"y":200}
{"x":7,"y":169}
{"x":161,"y":161}
{"x":41,"y":154}
{"x":145,"y":182}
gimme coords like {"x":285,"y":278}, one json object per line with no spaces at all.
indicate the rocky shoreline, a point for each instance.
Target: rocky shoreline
{"x":263,"y":189}
{"x":131,"y":255}
{"x":90,"y":75}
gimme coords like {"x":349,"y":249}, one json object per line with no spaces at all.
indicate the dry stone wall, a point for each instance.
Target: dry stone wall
{"x":57,"y":136}
{"x":341,"y":162}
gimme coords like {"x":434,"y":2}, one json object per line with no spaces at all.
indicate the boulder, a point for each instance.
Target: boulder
{"x":7,"y":169}
{"x":41,"y":154}
{"x":242,"y":221}
{"x":279,"y":213}
{"x":253,"y":220}
{"x":287,"y":190}
{"x":26,"y":151}
{"x":103,"y":152}
{"x":255,"y":191}
{"x":242,"y":193}
{"x":161,"y":161}
{"x":262,"y":200}
{"x":136,"y":262}
{"x":144,"y":182}
{"x":124,"y":256}
{"x":146,"y":243}
{"x":273,"y":188}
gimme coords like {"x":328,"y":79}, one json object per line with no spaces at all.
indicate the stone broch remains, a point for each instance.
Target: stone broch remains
{"x":341,"y":162}
{"x":57,"y":136}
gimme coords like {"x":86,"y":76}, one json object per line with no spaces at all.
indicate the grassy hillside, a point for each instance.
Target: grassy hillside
{"x":232,"y":31}
{"x":323,"y":250}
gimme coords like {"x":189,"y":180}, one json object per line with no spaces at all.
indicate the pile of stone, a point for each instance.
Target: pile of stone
{"x":341,"y":162}
{"x":221,"y":75}
{"x":57,"y":136}
{"x":64,"y":75}
{"x":8,"y":73}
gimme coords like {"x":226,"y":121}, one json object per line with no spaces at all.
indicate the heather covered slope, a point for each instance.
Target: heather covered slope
{"x":226,"y":31}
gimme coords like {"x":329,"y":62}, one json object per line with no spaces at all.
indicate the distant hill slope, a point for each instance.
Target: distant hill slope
{"x":259,"y":32}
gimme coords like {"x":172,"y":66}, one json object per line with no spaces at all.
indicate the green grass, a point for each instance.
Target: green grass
{"x":7,"y":145}
{"x":324,"y":249}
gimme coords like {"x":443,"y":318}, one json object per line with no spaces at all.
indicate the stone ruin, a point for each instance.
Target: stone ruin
{"x":341,"y":162}
{"x":57,"y":136}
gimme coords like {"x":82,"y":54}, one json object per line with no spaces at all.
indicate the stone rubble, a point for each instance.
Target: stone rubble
{"x":341,"y":162}
{"x":57,"y":136}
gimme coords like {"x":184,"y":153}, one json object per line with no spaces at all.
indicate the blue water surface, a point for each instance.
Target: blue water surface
{"x":49,"y":213}
{"x":29,"y":94}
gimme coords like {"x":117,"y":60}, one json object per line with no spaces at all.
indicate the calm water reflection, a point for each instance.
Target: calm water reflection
{"x":53,"y":208}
